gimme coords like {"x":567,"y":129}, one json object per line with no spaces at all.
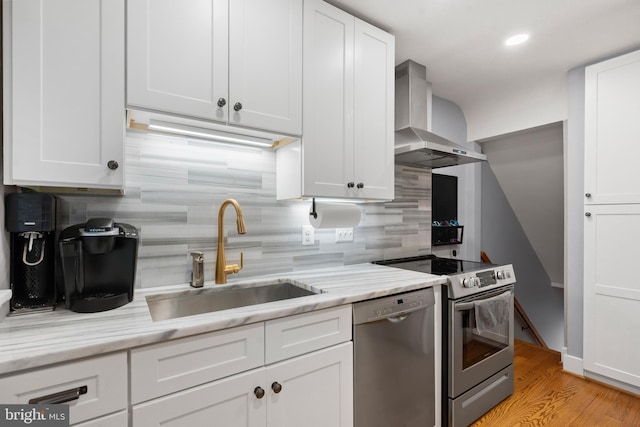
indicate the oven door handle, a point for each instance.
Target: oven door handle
{"x":469,"y":305}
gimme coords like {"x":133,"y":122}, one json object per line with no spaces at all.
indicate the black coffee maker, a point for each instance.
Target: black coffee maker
{"x":30,"y":219}
{"x":98,"y":262}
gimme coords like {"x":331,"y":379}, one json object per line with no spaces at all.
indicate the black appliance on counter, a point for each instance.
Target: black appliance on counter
{"x":477,"y":334}
{"x":30,"y":219}
{"x":98,"y":261}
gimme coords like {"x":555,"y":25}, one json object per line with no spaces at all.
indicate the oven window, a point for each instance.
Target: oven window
{"x":481,"y":339}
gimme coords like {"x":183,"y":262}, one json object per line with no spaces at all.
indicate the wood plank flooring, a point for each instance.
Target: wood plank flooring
{"x":544,"y":395}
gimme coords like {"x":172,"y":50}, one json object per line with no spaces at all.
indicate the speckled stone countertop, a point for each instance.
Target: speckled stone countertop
{"x":44,"y":338}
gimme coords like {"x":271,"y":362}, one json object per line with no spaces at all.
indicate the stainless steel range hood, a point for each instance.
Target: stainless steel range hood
{"x":415,"y":145}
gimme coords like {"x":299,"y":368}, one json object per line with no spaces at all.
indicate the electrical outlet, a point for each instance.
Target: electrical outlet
{"x":308,"y":237}
{"x":344,"y":235}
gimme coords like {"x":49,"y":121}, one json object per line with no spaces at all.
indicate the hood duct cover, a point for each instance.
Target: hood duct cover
{"x":415,"y":145}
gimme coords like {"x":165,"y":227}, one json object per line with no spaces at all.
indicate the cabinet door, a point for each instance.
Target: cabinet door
{"x":177,"y":56}
{"x":373,"y":111}
{"x":67,"y":70}
{"x":612,"y":292}
{"x":230,"y":402}
{"x":265,"y":65}
{"x":317,"y":389}
{"x":327,"y":149}
{"x":612,"y":132}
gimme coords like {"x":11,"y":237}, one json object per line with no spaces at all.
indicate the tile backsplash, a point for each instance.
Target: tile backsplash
{"x":175,"y":186}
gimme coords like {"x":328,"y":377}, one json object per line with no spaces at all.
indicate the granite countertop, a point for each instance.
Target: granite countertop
{"x":40,"y":339}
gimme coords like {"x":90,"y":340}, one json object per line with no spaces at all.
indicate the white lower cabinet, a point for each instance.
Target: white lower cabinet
{"x":91,"y":387}
{"x":289,"y":372}
{"x":317,"y":389}
{"x":313,"y":390}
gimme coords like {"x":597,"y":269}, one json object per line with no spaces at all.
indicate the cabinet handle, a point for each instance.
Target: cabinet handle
{"x":587,"y":214}
{"x":350,"y":184}
{"x":112,"y":164}
{"x":360,"y":185}
{"x":222,"y":102}
{"x":60,"y":397}
{"x":237,"y":106}
{"x":588,"y":195}
{"x":259,"y":392}
{"x":276,"y":387}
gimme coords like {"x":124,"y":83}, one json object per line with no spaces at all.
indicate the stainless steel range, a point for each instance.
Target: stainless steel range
{"x":477,"y":334}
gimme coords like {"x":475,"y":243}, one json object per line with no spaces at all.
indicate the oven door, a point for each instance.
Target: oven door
{"x":480,"y":344}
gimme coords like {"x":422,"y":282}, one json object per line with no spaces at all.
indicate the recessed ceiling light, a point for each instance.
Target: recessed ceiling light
{"x":517,"y":39}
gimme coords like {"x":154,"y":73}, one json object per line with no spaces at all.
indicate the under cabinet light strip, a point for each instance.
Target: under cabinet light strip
{"x":209,"y":134}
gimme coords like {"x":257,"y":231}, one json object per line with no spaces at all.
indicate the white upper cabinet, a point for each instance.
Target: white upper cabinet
{"x":347,"y":145}
{"x":237,"y":62}
{"x":612,"y":132}
{"x":64,"y":93}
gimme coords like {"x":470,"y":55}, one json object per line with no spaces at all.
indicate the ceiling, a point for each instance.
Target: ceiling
{"x":461,"y":41}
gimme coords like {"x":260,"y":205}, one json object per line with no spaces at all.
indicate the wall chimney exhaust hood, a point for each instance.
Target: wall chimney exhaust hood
{"x":415,"y":145}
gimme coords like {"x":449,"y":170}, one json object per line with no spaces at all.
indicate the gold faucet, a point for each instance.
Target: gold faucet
{"x":222,"y":269}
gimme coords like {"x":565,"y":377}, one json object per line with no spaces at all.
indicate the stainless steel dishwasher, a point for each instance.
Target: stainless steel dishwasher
{"x":394,"y":363}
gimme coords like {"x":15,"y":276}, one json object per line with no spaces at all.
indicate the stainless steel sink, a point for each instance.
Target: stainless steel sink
{"x":191,"y":302}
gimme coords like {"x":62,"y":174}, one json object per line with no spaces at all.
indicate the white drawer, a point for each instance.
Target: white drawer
{"x":295,"y":335}
{"x":160,"y":369}
{"x":119,"y":419}
{"x":104,"y":377}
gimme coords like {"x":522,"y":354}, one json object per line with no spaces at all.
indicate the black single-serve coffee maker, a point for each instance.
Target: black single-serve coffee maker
{"x":30,"y":219}
{"x":98,"y":261}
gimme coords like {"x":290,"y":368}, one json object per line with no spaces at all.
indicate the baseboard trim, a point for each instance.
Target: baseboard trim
{"x":572,"y":364}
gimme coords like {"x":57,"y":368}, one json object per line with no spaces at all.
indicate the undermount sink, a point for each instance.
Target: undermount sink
{"x":192,"y":302}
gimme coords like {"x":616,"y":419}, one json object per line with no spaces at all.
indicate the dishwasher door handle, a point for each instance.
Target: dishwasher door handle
{"x":397,"y":319}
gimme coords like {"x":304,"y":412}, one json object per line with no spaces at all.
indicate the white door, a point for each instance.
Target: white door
{"x":231,"y":402}
{"x":374,"y":111}
{"x":177,"y":56}
{"x":265,"y":65}
{"x":612,"y":292}
{"x":328,"y":101}
{"x":67,"y":66}
{"x":316,"y":389}
{"x":612,"y":133}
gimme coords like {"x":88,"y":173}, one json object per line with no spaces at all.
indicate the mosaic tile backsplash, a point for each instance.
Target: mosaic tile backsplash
{"x":175,"y":186}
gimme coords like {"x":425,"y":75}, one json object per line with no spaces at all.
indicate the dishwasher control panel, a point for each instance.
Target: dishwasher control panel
{"x":392,"y":306}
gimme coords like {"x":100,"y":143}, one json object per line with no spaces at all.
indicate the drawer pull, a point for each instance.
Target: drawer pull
{"x":60,"y":397}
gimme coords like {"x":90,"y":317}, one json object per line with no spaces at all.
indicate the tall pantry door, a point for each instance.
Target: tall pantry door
{"x":612,"y":219}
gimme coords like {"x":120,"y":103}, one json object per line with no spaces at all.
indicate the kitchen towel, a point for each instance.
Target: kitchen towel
{"x":335,"y":215}
{"x":492,"y":317}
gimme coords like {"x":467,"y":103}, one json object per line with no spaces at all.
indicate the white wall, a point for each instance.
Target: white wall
{"x":514,"y":109}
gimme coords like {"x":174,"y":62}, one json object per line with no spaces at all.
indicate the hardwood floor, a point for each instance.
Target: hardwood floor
{"x":544,"y":395}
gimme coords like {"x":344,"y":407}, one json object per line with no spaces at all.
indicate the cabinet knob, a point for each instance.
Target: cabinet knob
{"x":587,"y":214}
{"x":276,"y":387}
{"x":350,"y":184}
{"x":112,"y":164}
{"x":588,"y":195}
{"x":237,"y":106}
{"x":360,"y":185}
{"x":222,"y":102}
{"x":259,"y":392}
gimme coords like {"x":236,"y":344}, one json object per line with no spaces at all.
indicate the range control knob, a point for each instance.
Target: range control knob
{"x":469,"y":282}
{"x":500,"y":274}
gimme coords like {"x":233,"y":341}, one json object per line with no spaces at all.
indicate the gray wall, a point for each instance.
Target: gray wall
{"x":448,"y":121}
{"x":574,"y":161}
{"x":505,"y":241}
{"x":175,"y":186}
{"x":529,"y":168}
